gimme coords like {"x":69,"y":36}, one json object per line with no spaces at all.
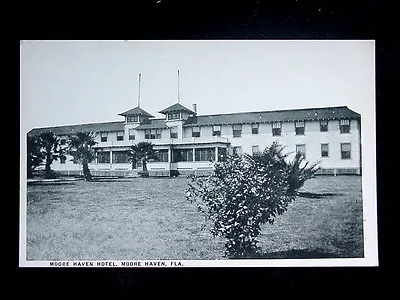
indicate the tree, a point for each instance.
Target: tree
{"x":245,"y":192}
{"x":141,"y":151}
{"x":34,"y":155}
{"x":52,"y":148}
{"x":81,"y":148}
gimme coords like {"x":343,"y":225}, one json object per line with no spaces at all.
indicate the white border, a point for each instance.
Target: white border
{"x":368,"y":142}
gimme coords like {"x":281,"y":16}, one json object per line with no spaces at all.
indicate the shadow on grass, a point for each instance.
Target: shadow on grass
{"x":316,"y":195}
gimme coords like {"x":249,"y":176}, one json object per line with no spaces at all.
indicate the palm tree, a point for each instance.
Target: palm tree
{"x":81,"y":148}
{"x":52,"y":148}
{"x":141,"y":151}
{"x":34,"y":155}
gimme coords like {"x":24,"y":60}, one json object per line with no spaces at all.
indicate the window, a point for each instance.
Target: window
{"x":216,"y":130}
{"x":103,"y":137}
{"x":161,"y":155}
{"x":180,"y":155}
{"x":173,"y":115}
{"x":63,"y":158}
{"x":254,"y":128}
{"x":221,"y":154}
{"x":255,"y":149}
{"x":299,"y":128}
{"x":130,"y":119}
{"x":120,"y":157}
{"x":205,"y":154}
{"x":323,"y":125}
{"x":345,"y":149}
{"x":152,"y":134}
{"x":344,"y":126}
{"x":276,"y":128}
{"x":237,"y":150}
{"x":120,"y":135}
{"x":103,"y":157}
{"x":301,"y":149}
{"x":324,"y":150}
{"x":196,"y":131}
{"x":174,"y":133}
{"x":131,"y":134}
{"x":237,"y":130}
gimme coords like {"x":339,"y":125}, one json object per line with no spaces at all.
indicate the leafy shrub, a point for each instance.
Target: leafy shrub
{"x":245,"y":192}
{"x":174,"y":173}
{"x":144,"y":174}
{"x":51,"y":174}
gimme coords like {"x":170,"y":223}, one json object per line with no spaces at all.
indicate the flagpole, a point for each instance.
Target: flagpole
{"x":178,"y":86}
{"x":138,"y":104}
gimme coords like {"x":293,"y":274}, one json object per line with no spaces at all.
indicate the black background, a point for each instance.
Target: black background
{"x":209,"y":20}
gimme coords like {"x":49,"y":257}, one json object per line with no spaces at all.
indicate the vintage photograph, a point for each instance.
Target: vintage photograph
{"x":198,"y":153}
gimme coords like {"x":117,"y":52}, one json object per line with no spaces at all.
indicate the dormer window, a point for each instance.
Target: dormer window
{"x":132,"y":119}
{"x":176,"y":112}
{"x":173,"y":115}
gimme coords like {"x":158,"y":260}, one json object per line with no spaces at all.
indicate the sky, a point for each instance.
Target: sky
{"x":73,"y":82}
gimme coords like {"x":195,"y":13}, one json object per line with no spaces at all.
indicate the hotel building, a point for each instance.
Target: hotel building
{"x":189,"y":143}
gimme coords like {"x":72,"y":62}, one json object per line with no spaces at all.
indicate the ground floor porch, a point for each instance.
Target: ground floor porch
{"x":169,"y":160}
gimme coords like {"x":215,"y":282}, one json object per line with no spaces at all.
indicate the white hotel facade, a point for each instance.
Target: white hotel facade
{"x":190,"y":143}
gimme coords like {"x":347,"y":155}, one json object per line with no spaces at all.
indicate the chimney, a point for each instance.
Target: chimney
{"x":195,"y":108}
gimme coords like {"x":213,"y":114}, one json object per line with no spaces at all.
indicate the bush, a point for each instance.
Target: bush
{"x":50,"y":174}
{"x":174,"y":173}
{"x":144,"y":174}
{"x":245,"y":192}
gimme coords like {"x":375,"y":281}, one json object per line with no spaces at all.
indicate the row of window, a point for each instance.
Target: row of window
{"x":173,"y":115}
{"x":344,"y":127}
{"x":130,"y":119}
{"x":118,"y":157}
{"x":200,"y":154}
{"x":121,"y":157}
{"x":236,"y":128}
{"x":345,"y":150}
{"x":205,"y":154}
{"x":178,"y":155}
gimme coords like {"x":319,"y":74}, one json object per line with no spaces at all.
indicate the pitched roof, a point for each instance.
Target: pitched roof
{"x":307,"y":114}
{"x":325,"y":113}
{"x":70,"y":129}
{"x":153,"y":124}
{"x":175,"y":107}
{"x":135,"y":112}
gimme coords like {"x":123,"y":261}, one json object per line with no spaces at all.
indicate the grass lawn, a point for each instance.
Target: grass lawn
{"x":150,"y":218}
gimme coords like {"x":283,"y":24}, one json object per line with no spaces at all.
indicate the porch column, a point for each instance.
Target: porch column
{"x":169,"y":155}
{"x":110,"y":159}
{"x":216,"y":154}
{"x":193,"y":155}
